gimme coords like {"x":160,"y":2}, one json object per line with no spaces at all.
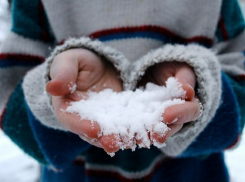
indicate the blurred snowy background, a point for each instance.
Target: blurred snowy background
{"x":15,"y":166}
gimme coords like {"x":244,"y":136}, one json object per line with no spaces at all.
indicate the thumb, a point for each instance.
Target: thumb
{"x":63,"y":76}
{"x":187,"y":78}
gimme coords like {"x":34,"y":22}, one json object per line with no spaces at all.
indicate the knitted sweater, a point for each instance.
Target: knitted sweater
{"x":133,"y":35}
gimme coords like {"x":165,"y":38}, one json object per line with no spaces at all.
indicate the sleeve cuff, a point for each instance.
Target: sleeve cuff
{"x":112,"y":55}
{"x":208,"y":73}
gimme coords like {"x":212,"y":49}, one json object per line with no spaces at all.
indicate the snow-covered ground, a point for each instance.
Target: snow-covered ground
{"x":235,"y":160}
{"x":15,"y":166}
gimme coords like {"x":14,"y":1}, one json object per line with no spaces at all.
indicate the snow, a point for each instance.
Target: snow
{"x":72,"y":87}
{"x":235,"y":159}
{"x":15,"y":166}
{"x":131,"y":114}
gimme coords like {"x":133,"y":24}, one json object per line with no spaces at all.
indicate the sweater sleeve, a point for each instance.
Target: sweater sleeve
{"x":220,"y":86}
{"x":226,"y":126}
{"x":24,"y":50}
{"x":230,"y":36}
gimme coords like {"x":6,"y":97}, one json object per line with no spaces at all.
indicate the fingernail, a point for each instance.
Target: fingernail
{"x":190,"y":86}
{"x":47,"y":86}
{"x":175,"y":120}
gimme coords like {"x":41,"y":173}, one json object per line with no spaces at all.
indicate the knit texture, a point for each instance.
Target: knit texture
{"x":231,"y":22}
{"x":16,"y":60}
{"x":112,"y":55}
{"x":211,"y":169}
{"x":85,"y":18}
{"x":15,"y":124}
{"x":204,"y":143}
{"x":39,"y":102}
{"x":32,"y":16}
{"x":240,"y":94}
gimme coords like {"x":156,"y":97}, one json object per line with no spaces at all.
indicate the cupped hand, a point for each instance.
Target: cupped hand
{"x":73,"y":73}
{"x":174,"y":116}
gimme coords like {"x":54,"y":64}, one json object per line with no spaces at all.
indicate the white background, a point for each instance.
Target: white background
{"x":15,"y":166}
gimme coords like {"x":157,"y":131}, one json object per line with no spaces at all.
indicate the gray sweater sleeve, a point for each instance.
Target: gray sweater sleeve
{"x":208,"y":72}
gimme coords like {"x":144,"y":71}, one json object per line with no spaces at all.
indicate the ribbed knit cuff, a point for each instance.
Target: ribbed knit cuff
{"x":34,"y":82}
{"x":112,"y":55}
{"x":208,"y":73}
{"x":37,"y":98}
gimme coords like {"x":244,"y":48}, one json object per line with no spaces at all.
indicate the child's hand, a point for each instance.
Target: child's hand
{"x":175,"y":116}
{"x":88,"y":72}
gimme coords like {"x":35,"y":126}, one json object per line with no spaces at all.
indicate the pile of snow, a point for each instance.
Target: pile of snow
{"x":131,"y":114}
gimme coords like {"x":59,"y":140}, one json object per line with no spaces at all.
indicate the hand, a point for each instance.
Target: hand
{"x":89,"y":72}
{"x":175,"y":116}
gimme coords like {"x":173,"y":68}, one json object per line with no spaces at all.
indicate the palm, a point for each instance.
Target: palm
{"x":96,"y":74}
{"x":88,"y":72}
{"x":159,"y":74}
{"x":95,"y":77}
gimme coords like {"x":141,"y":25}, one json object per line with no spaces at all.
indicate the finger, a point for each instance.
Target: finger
{"x":126,"y":142}
{"x":110,"y":143}
{"x":174,"y":129}
{"x":186,"y":76}
{"x":77,"y":96}
{"x":190,"y":93}
{"x":160,"y":138}
{"x":139,"y":142}
{"x":72,"y":121}
{"x":63,"y":75}
{"x":90,"y":129}
{"x":182,"y":113}
{"x":143,"y":139}
{"x":94,"y":142}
